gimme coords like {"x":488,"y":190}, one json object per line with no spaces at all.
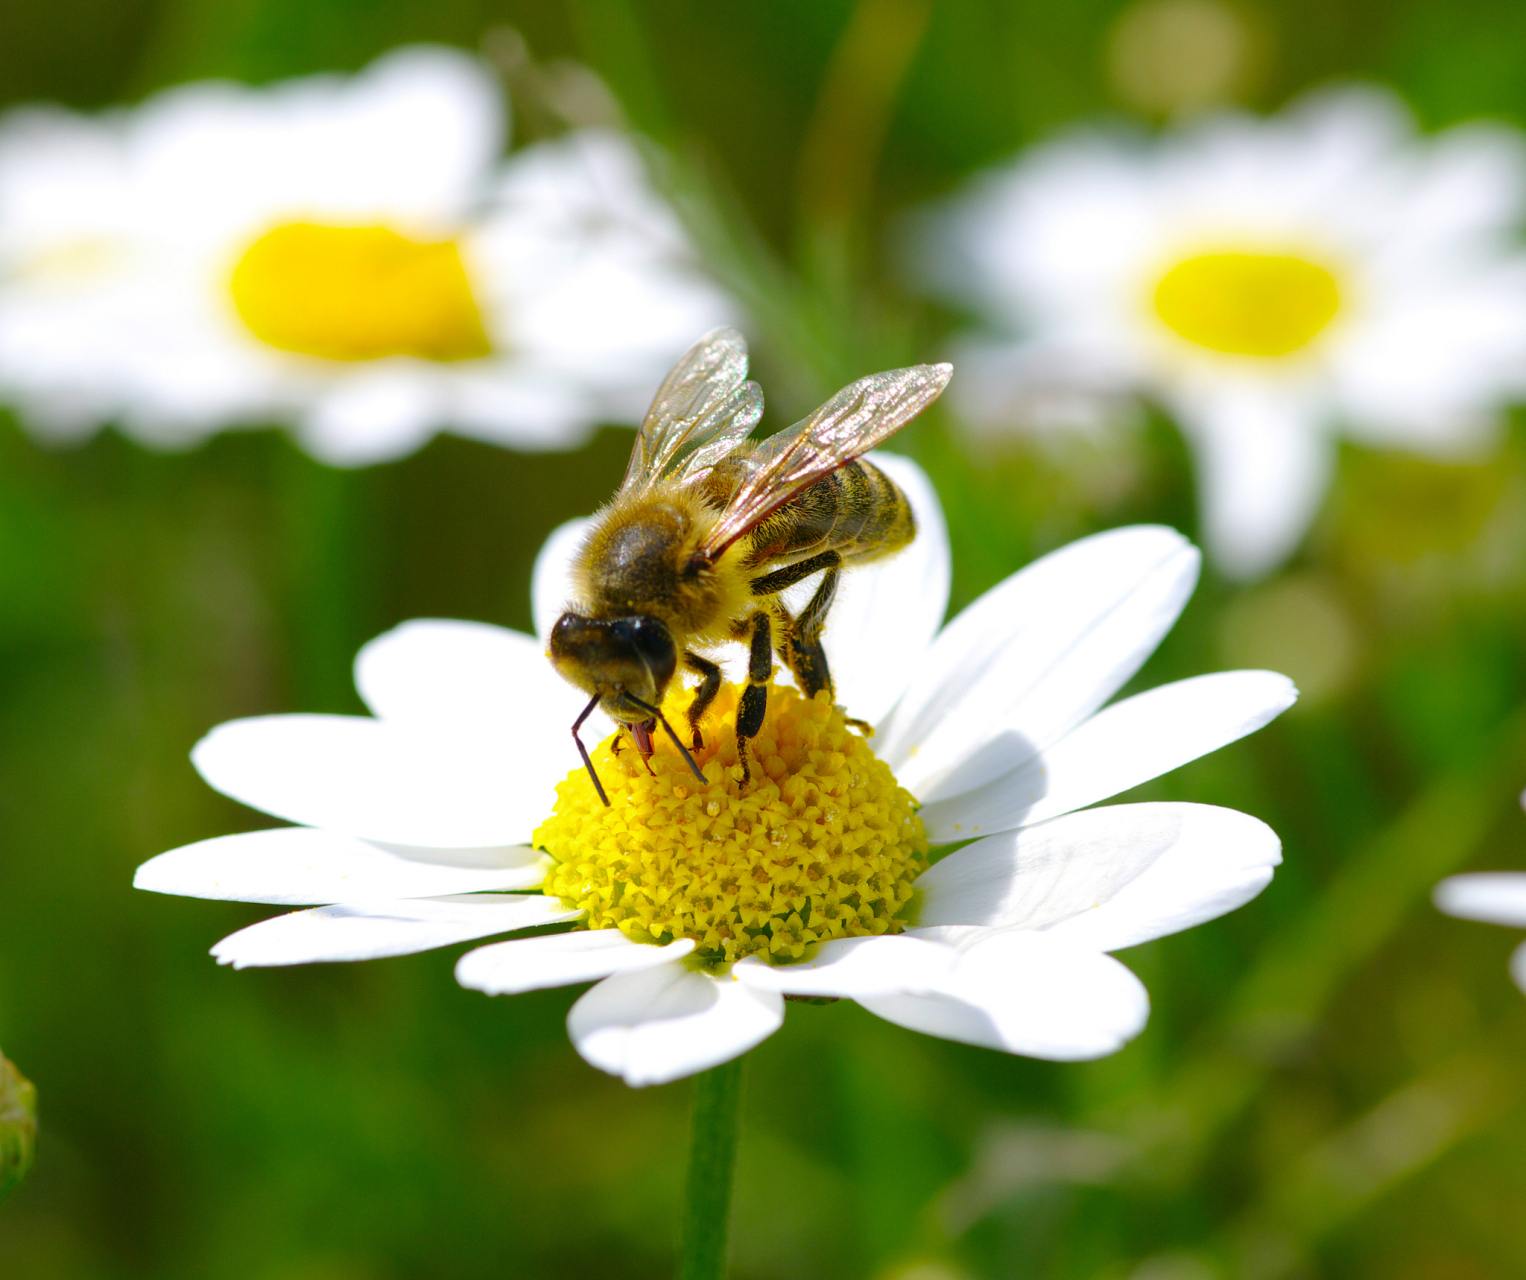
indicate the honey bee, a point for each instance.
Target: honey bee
{"x":707,"y":529}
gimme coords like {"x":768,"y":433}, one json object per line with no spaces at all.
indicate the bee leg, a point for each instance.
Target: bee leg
{"x":803,"y":650}
{"x":709,"y":686}
{"x":773,"y":583}
{"x":641,"y":735}
{"x":760,"y":666}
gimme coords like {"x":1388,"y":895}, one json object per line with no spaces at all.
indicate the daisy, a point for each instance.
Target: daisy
{"x":696,"y":909}
{"x":1269,"y":281}
{"x":345,"y":254}
{"x":1496,"y":897}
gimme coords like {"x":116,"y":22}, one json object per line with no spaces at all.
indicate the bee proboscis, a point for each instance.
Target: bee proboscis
{"x":707,"y":529}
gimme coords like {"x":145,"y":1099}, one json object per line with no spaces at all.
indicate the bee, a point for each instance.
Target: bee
{"x":707,"y":529}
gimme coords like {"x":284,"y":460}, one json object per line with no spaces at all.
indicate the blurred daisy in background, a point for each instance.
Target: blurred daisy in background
{"x":451,"y":816}
{"x":1495,"y":897}
{"x":349,"y":255}
{"x":1269,"y":281}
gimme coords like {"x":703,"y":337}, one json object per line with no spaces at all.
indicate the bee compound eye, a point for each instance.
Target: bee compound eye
{"x":653,"y":644}
{"x":568,"y":632}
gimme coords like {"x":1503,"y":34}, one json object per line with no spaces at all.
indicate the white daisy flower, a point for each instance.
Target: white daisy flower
{"x":418,"y":826}
{"x":346,"y":254}
{"x":1495,"y":897}
{"x":1270,"y":281}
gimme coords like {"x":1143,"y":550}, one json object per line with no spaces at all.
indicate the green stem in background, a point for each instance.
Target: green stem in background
{"x":326,"y":577}
{"x":712,"y":1166}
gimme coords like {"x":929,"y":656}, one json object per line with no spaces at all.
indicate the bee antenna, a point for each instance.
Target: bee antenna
{"x":583,"y":751}
{"x":663,"y":721}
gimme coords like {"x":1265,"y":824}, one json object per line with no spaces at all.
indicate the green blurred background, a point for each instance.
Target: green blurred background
{"x":1333,"y":1082}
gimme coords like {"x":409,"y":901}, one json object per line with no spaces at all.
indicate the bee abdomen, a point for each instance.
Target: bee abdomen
{"x":856,"y":510}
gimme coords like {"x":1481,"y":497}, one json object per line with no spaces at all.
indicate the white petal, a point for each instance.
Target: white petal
{"x":384,"y":413}
{"x":886,"y":614}
{"x":379,"y":781}
{"x":1496,"y":897}
{"x":1518,"y":966}
{"x":551,"y":581}
{"x":559,"y":960}
{"x":1038,"y":875}
{"x":433,"y":671}
{"x":1035,"y":656}
{"x":1127,"y":744}
{"x":301,"y":866}
{"x":1263,"y":464}
{"x":1030,"y":994}
{"x":656,"y":1025}
{"x":371,"y":930}
{"x":472,"y":680}
{"x":1219,"y":860}
{"x":855,"y":967}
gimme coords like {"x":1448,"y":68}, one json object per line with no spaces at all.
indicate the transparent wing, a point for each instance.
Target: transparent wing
{"x":703,"y":410}
{"x":852,"y":422}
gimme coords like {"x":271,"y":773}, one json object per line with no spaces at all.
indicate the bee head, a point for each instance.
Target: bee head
{"x":614,"y":658}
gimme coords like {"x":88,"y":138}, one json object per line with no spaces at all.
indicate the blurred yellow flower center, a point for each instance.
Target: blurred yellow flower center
{"x":1247,"y":304}
{"x":358,"y":293}
{"x":822,"y":843}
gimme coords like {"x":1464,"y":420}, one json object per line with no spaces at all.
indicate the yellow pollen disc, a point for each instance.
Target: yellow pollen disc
{"x":1247,"y":304}
{"x":822,"y":843}
{"x":358,"y":293}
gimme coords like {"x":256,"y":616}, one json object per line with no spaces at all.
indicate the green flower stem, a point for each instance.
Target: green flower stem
{"x":712,"y":1165}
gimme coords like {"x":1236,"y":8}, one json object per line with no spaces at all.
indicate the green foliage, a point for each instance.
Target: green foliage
{"x":1332,"y":1081}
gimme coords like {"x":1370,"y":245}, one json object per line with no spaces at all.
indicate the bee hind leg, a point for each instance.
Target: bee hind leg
{"x":760,"y":666}
{"x":802,"y":650}
{"x":709,"y":686}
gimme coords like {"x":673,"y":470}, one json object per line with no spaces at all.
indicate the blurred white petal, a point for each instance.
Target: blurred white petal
{"x":1264,"y":462}
{"x":1495,"y":897}
{"x":551,"y":581}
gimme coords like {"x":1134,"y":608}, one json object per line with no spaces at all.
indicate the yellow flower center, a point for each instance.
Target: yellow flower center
{"x":358,"y":293}
{"x":1247,"y":304}
{"x":822,"y":843}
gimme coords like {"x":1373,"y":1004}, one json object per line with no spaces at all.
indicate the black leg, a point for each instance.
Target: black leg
{"x":760,"y":666}
{"x":772,"y":583}
{"x":709,"y":686}
{"x":802,"y":649}
{"x":583,"y":751}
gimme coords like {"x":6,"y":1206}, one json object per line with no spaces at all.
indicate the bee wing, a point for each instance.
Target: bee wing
{"x":852,"y":422}
{"x":703,"y":410}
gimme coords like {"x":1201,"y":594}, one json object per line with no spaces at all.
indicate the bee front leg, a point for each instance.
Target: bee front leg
{"x":760,"y":666}
{"x":709,"y":686}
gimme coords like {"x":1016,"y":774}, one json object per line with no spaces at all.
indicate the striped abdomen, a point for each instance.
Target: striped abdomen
{"x":857,"y":511}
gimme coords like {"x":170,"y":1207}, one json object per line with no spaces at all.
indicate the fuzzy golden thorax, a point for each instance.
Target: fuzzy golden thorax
{"x":643,"y":595}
